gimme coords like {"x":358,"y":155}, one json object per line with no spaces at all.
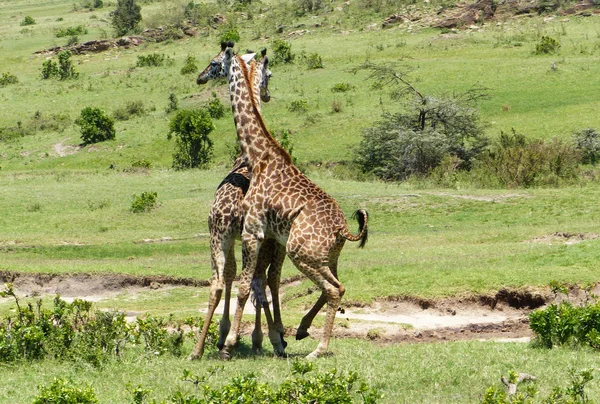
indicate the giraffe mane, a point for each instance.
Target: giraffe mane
{"x":259,"y":117}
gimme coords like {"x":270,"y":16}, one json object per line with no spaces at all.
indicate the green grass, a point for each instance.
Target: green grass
{"x":421,"y":373}
{"x":71,"y":213}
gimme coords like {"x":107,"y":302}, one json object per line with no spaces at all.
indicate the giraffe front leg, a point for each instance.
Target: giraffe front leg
{"x":230,"y":270}
{"x":249,"y":251}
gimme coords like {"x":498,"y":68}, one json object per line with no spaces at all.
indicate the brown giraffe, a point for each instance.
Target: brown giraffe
{"x":281,"y":204}
{"x":224,"y":222}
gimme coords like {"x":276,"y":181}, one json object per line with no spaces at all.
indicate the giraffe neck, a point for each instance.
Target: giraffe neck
{"x":256,"y":142}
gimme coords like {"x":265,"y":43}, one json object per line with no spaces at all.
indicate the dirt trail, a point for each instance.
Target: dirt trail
{"x":503,"y":316}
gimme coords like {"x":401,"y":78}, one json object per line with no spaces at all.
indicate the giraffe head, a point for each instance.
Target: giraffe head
{"x":218,"y":67}
{"x":220,"y":64}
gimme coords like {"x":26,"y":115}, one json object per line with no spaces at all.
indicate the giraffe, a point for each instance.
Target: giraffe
{"x":281,"y":204}
{"x":224,"y":224}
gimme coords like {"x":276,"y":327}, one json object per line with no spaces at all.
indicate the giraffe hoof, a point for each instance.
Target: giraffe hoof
{"x":283,"y":343}
{"x":224,"y":355}
{"x":301,"y":334}
{"x":281,"y":354}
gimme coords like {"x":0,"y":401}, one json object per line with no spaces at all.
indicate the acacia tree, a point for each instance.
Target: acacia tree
{"x":126,"y":17}
{"x":416,"y":140}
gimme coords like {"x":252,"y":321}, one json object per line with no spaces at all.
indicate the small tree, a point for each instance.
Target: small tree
{"x":587,"y":141}
{"x":126,"y":17}
{"x":95,"y":125}
{"x":193,"y":146}
{"x":65,"y":66}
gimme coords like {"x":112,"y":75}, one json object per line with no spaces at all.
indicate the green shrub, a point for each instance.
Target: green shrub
{"x":228,"y":34}
{"x":54,"y":122}
{"x":130,"y":109}
{"x":95,"y":125}
{"x":189,"y":66}
{"x":282,"y":52}
{"x":65,"y":66}
{"x":215,"y":107}
{"x":62,"y":391}
{"x":73,"y":40}
{"x":342,"y":87}
{"x":153,"y":60}
{"x":298,"y":106}
{"x":9,"y":133}
{"x":173,"y":103}
{"x":143,"y":163}
{"x":49,"y":69}
{"x":126,"y":17}
{"x":573,"y":394}
{"x":193,"y":146}
{"x":92,"y":4}
{"x":8,"y":78}
{"x":520,"y":162}
{"x":307,"y":6}
{"x":314,"y":61}
{"x":71,"y":31}
{"x":547,"y":45}
{"x":144,"y":202}
{"x":28,"y":20}
{"x":587,"y":141}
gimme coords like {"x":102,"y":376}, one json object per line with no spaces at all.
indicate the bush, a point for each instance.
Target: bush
{"x":62,"y":391}
{"x":65,"y":66}
{"x":71,"y":31}
{"x":8,"y":78}
{"x":49,"y":69}
{"x":95,"y":125}
{"x":284,"y":137}
{"x":547,"y":45}
{"x":144,"y":202}
{"x":314,"y":61}
{"x":307,"y":6}
{"x":92,"y":4}
{"x":131,"y":108}
{"x":298,"y":106}
{"x":229,"y":34}
{"x":215,"y":107}
{"x":126,"y":17}
{"x":282,"y":52}
{"x":587,"y":141}
{"x":153,"y":60}
{"x":519,"y":162}
{"x":189,"y":65}
{"x":28,"y":20}
{"x":342,"y":87}
{"x":193,"y":146}
{"x":173,"y":103}
{"x":54,"y":122}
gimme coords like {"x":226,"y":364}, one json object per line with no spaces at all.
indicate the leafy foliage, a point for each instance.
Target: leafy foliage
{"x":126,"y":17}
{"x":229,"y":33}
{"x":342,"y":87}
{"x":49,"y":69}
{"x":95,"y":125}
{"x":189,"y":65}
{"x":28,"y":20}
{"x":520,"y":162}
{"x":298,"y":106}
{"x":71,"y":31}
{"x":193,"y":146}
{"x":8,"y":78}
{"x":130,"y":109}
{"x":62,"y":391}
{"x":215,"y":107}
{"x":587,"y":141}
{"x":144,"y":202}
{"x":73,"y":331}
{"x":65,"y":66}
{"x":314,"y":61}
{"x":547,"y":45}
{"x":282,"y":52}
{"x":153,"y":60}
{"x":573,"y":394}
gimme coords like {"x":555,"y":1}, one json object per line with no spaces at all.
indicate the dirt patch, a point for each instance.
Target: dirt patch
{"x":88,"y":286}
{"x":501,"y":316}
{"x":560,"y":237}
{"x":62,"y":150}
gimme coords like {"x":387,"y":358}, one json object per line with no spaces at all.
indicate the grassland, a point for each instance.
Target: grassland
{"x":63,"y":210}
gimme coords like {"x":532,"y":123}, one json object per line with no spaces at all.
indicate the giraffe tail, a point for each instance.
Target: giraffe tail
{"x":362,"y":217}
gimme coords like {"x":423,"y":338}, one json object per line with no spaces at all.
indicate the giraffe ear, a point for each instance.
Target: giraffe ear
{"x":247,"y":58}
